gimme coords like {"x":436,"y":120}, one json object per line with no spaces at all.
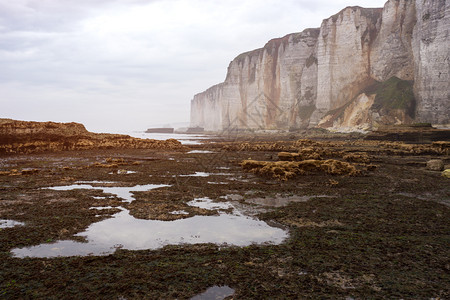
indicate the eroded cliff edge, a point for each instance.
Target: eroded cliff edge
{"x":363,"y":67}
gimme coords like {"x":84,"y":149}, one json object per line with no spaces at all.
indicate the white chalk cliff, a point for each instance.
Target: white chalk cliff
{"x":361,"y":68}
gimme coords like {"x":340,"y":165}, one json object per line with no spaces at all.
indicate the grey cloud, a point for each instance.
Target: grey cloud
{"x":54,"y":15}
{"x":53,"y":69}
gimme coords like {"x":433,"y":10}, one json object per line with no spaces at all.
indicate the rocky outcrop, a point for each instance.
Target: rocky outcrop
{"x":284,"y":170}
{"x":32,"y":137}
{"x":347,"y":73}
{"x":388,"y":102}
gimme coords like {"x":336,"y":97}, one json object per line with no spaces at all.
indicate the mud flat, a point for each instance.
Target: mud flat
{"x":330,"y":219}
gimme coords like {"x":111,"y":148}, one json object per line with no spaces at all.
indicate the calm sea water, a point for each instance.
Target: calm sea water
{"x":185,"y":139}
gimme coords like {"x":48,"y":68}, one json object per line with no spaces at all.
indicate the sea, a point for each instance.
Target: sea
{"x":184,"y":138}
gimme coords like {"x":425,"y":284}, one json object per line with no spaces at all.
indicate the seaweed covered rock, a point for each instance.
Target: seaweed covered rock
{"x":309,"y":153}
{"x":259,"y":146}
{"x":284,"y":170}
{"x":288,"y":156}
{"x":435,"y":165}
{"x":33,"y":137}
{"x":360,"y":157}
{"x":446,"y":173}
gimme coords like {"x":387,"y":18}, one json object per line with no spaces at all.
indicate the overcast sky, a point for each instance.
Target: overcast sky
{"x":118,"y":65}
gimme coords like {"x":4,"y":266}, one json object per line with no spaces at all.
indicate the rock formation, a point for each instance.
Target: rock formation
{"x":362,"y":67}
{"x":31,"y":137}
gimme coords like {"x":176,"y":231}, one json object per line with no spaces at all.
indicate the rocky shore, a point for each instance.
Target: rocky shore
{"x":363,"y":218}
{"x":33,"y":137}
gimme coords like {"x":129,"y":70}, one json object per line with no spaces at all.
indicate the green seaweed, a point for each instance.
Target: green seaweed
{"x":305,"y":112}
{"x":393,"y":93}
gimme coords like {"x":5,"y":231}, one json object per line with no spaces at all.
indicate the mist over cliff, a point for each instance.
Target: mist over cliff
{"x":363,"y":67}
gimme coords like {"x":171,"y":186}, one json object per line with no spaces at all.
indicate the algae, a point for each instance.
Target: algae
{"x":284,"y":170}
{"x":394,"y":93}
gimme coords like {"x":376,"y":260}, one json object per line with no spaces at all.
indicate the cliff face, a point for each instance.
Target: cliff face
{"x":432,"y":60}
{"x":263,"y":88}
{"x":323,"y":76}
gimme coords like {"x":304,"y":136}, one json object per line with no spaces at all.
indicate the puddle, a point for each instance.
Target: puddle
{"x":240,"y":179}
{"x":215,"y":292}
{"x":207,"y":203}
{"x":233,"y":197}
{"x":280,"y":201}
{"x":102,"y":207}
{"x":200,"y":151}
{"x":203,"y":174}
{"x":96,"y":182}
{"x":179,"y":212}
{"x":125,"y":231}
{"x":10,"y":223}
{"x":191,"y":142}
{"x":122,"y":172}
{"x":196,"y":174}
{"x":123,"y":192}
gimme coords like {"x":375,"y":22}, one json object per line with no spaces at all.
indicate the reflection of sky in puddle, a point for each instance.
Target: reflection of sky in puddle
{"x":238,"y":179}
{"x":125,"y":231}
{"x":179,"y":212}
{"x":196,"y":174}
{"x":102,"y":207}
{"x":200,"y":151}
{"x":123,"y":192}
{"x":122,"y":172}
{"x":10,"y":223}
{"x":215,"y":292}
{"x":207,"y":203}
{"x":203,"y":174}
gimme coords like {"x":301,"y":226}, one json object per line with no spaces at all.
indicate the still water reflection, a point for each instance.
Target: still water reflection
{"x":215,"y":293}
{"x":9,"y":223}
{"x":124,"y":192}
{"x":125,"y":231}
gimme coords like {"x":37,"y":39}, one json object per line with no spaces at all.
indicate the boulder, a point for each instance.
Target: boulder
{"x":446,"y":173}
{"x":435,"y":165}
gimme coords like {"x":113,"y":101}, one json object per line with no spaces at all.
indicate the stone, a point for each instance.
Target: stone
{"x":286,"y":156}
{"x":446,"y":173}
{"x":435,"y":165}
